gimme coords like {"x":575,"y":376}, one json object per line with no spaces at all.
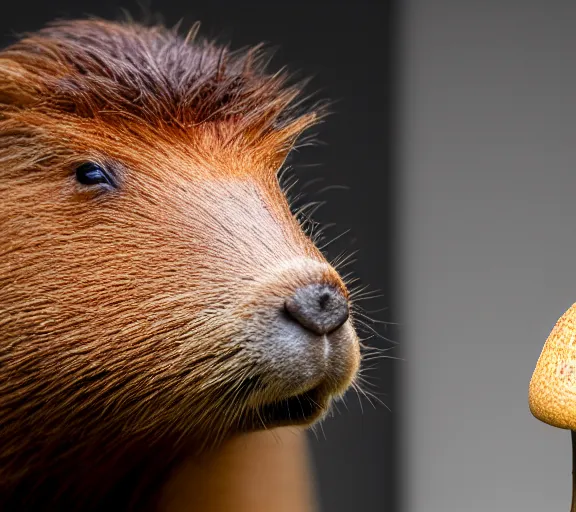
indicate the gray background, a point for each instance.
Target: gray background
{"x":488,"y":236}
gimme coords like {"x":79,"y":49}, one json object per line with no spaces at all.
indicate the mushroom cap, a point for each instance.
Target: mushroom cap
{"x":552,"y":391}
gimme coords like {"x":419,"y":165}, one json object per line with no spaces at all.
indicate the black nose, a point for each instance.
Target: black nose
{"x":320,"y":308}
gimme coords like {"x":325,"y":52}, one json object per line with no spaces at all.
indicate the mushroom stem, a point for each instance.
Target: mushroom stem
{"x":573,"y":435}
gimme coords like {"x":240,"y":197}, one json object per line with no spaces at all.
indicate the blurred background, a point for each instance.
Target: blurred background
{"x":349,"y":49}
{"x":488,"y":242}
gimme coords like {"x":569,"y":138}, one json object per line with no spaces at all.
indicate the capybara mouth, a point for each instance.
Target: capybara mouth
{"x":300,"y":409}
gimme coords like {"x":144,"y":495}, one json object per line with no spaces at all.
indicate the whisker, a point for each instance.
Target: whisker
{"x":376,"y":357}
{"x":334,"y":239}
{"x":373,"y":331}
{"x":333,"y":187}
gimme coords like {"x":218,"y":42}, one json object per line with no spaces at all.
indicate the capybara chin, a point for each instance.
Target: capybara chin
{"x":156,"y":293}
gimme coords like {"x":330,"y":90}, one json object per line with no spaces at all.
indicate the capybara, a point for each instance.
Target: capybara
{"x":157,"y":294}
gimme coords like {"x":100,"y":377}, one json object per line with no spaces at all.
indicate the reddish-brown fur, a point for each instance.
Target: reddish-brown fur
{"x":123,"y":315}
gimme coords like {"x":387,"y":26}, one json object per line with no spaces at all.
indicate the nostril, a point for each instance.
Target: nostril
{"x":319,"y":308}
{"x":323,"y":300}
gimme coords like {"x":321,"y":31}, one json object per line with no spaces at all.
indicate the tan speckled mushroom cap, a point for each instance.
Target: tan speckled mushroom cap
{"x":552,"y":392}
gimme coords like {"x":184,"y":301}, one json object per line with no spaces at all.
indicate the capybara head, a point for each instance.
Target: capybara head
{"x":154,"y":284}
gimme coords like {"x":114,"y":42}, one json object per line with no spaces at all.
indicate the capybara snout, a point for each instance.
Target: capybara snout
{"x":153,"y":282}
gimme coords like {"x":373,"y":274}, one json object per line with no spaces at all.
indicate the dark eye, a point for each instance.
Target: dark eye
{"x":90,"y":173}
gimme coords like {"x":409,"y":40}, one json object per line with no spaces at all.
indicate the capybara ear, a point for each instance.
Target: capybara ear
{"x":17,"y":86}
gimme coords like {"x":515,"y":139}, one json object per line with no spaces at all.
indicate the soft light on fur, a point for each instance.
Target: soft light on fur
{"x":135,"y":322}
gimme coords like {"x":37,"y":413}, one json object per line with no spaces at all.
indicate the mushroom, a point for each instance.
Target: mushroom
{"x":552,"y":391}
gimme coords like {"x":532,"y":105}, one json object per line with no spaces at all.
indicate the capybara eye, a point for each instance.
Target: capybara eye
{"x":90,"y":173}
